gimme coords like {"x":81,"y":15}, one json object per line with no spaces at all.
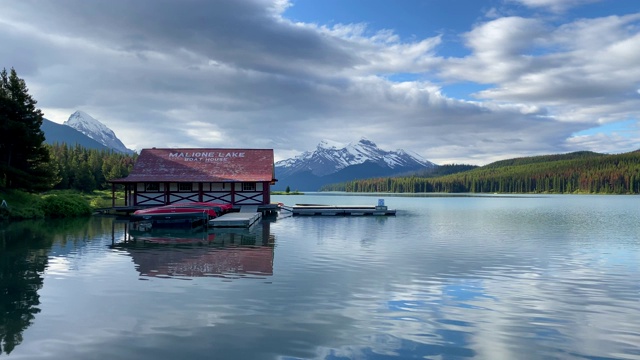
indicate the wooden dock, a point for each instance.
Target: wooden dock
{"x":247,"y":216}
{"x":338,"y":210}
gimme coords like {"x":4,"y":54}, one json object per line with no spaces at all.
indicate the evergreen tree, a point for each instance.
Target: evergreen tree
{"x":89,"y":169}
{"x":24,"y":159}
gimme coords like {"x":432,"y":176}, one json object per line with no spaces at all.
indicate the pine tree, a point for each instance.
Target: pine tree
{"x":24,"y":159}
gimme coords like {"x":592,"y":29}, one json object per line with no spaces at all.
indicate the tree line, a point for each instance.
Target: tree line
{"x":88,"y":169}
{"x":27,"y":163}
{"x":579,"y":172}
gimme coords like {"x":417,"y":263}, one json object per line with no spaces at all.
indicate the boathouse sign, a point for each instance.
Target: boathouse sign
{"x":210,"y":156}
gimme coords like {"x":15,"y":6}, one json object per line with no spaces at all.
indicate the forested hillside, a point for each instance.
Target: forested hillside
{"x":442,"y":170}
{"x":85,"y":169}
{"x":579,"y":172}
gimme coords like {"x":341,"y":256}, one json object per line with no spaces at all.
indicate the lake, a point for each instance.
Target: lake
{"x":448,"y":277}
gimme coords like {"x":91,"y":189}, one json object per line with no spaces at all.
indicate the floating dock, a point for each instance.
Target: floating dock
{"x":338,"y":210}
{"x":247,"y":216}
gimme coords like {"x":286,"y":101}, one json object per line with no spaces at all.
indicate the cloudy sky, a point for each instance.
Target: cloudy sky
{"x":456,"y":81}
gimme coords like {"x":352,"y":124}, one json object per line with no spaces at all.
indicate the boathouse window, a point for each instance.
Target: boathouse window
{"x":185,"y":186}
{"x":248,"y":186}
{"x":152,"y":186}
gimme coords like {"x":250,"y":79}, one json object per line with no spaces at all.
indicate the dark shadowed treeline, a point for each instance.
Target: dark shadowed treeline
{"x":24,"y":160}
{"x":579,"y":172}
{"x":88,"y":169}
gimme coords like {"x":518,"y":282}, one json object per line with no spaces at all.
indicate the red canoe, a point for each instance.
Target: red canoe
{"x":213,"y":210}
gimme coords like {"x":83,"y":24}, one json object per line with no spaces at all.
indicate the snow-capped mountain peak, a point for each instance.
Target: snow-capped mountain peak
{"x":81,"y":119}
{"x":330,"y":144}
{"x":331,"y":157}
{"x":96,"y":130}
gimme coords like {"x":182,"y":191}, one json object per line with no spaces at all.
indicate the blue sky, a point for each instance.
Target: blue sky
{"x":457,"y":81}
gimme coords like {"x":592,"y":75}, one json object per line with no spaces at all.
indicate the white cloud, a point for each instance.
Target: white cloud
{"x":553,"y":5}
{"x":500,"y":50}
{"x":585,"y":71}
{"x":239,"y":74}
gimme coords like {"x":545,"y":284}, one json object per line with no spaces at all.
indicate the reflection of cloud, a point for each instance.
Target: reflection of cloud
{"x":58,"y":265}
{"x":479,"y":274}
{"x":514,"y":313}
{"x":466,"y":277}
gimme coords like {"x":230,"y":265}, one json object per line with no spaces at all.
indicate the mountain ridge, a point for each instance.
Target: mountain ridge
{"x":96,"y":130}
{"x":333,"y":162}
{"x":58,"y":133}
{"x":574,"y":172}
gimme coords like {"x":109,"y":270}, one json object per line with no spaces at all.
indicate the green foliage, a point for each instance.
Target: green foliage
{"x":579,"y":172}
{"x":31,"y":211}
{"x":24,"y":160}
{"x":287,"y":190}
{"x":21,"y":205}
{"x":87,"y":170}
{"x":55,"y":204}
{"x":102,"y":198}
{"x":65,"y":205}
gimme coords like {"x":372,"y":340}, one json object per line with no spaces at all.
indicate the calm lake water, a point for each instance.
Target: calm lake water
{"x":494,"y":277}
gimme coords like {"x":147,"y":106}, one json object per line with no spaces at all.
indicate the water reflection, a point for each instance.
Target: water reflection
{"x":24,"y":250}
{"x":180,"y":253}
{"x":448,"y":278}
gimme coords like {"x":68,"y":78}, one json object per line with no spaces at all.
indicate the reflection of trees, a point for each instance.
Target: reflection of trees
{"x":23,"y":257}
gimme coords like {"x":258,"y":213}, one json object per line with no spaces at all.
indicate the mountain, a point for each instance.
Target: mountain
{"x":96,"y":130}
{"x":332,"y":162}
{"x":582,"y":172}
{"x":58,"y":133}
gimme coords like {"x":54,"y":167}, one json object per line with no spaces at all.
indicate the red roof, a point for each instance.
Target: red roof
{"x":202,"y":165}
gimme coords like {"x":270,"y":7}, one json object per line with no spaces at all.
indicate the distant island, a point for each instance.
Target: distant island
{"x":582,"y":172}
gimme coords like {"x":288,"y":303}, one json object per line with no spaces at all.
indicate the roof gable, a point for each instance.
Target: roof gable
{"x":202,"y":165}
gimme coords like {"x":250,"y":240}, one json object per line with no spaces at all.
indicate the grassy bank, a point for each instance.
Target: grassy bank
{"x":19,"y":205}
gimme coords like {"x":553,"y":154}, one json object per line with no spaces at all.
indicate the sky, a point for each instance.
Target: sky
{"x":456,"y":81}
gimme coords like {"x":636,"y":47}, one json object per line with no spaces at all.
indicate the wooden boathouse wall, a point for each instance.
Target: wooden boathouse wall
{"x":168,"y":176}
{"x":142,"y":194}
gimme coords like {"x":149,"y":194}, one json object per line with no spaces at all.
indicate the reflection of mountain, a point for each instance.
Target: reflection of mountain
{"x":23,"y":258}
{"x":194,"y":254}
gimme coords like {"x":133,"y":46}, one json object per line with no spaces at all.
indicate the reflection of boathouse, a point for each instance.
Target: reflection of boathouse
{"x":195,"y":254}
{"x":232,"y":176}
{"x":199,"y":261}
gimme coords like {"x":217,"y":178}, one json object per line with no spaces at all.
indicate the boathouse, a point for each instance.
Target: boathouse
{"x":166,"y":176}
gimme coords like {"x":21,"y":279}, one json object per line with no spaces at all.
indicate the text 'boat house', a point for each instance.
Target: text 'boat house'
{"x":168,"y":176}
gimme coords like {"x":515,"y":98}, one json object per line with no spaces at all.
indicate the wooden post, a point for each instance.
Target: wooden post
{"x":266,"y":193}
{"x":233,"y":193}
{"x":135,"y":194}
